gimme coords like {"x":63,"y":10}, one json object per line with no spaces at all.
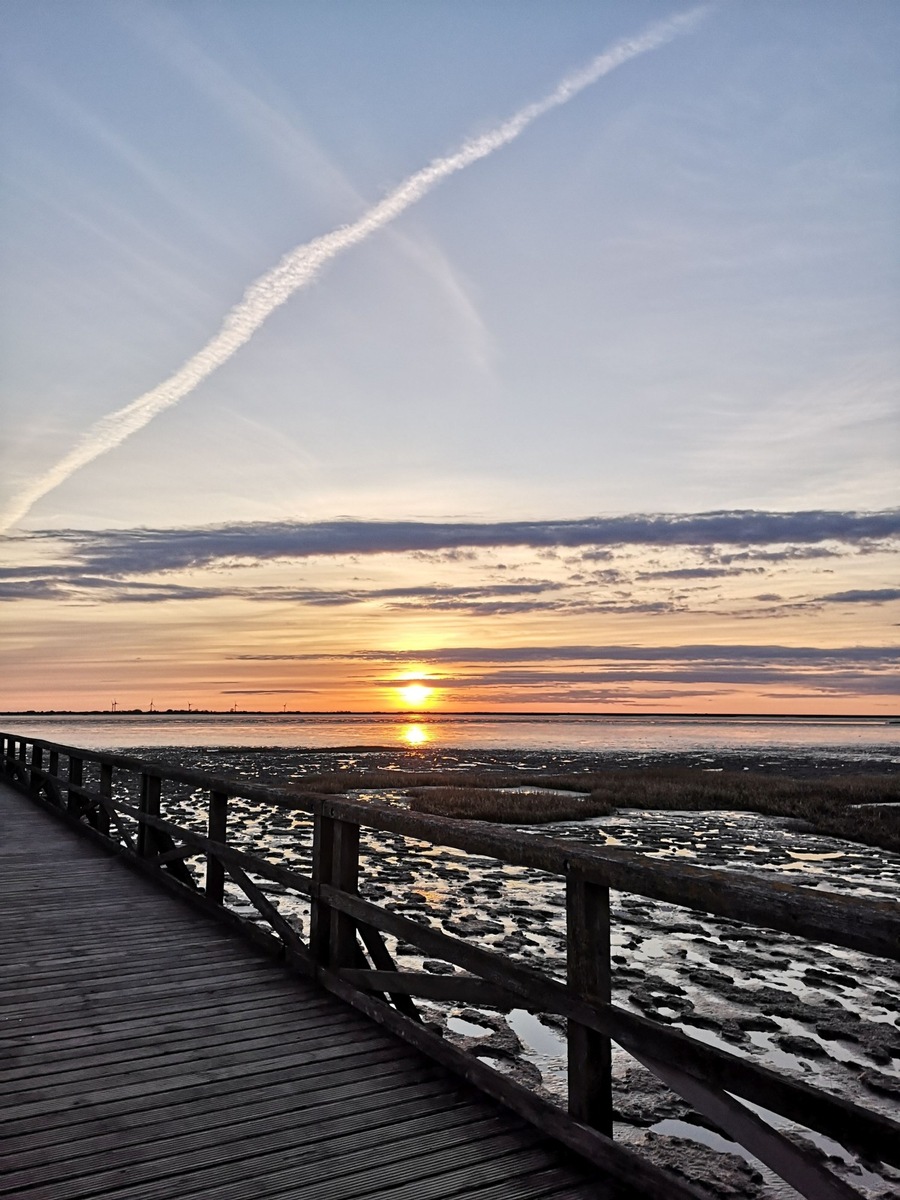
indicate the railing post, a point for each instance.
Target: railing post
{"x":589,"y":1052}
{"x":332,"y":936}
{"x":53,"y":792}
{"x":322,"y":869}
{"x":37,"y":762}
{"x":217,"y":832}
{"x":106,"y":791}
{"x":11,"y":756}
{"x":151,"y":788}
{"x":76,"y":778}
{"x":345,"y":876}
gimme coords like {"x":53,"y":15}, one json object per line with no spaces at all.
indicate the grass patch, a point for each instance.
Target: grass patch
{"x":826,"y":804}
{"x":508,"y":808}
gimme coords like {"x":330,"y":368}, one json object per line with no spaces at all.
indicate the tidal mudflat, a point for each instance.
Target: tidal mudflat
{"x":826,"y":1015}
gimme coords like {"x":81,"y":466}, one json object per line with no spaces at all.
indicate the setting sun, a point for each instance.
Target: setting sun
{"x":415,"y":694}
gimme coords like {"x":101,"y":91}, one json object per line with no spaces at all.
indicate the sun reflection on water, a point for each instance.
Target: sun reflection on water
{"x":415,"y":735}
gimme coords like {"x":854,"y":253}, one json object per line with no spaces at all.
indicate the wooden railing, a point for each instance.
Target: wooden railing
{"x":347,"y":953}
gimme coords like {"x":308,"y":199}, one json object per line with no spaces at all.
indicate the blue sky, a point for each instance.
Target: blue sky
{"x":675,"y":294}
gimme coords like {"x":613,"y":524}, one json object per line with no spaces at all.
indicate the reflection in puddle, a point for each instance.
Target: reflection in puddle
{"x":536,"y":1035}
{"x":467,"y":1028}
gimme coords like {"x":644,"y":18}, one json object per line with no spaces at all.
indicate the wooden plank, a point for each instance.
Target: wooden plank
{"x":433,"y":1103}
{"x":52,"y":1096}
{"x":247,"y":1152}
{"x":202,"y":1107}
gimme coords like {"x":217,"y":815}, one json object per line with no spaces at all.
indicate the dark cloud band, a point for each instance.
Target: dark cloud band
{"x":134,"y":551}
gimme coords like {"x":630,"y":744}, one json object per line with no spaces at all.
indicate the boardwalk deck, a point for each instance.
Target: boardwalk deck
{"x":147,"y":1053}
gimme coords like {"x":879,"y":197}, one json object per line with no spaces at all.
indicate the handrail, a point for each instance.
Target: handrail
{"x":346,"y":952}
{"x":854,"y":923}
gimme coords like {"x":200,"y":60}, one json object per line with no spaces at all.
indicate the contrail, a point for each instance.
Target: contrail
{"x":301,"y":266}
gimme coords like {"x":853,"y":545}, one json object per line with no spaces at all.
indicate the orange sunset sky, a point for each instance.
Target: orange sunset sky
{"x":542,"y":355}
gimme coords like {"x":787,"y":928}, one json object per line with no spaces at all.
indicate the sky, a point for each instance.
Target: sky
{"x":604,"y":418}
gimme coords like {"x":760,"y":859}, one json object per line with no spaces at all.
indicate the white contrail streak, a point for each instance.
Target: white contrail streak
{"x":300,"y":267}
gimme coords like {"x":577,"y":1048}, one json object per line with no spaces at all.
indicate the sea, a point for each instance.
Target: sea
{"x":863,"y":741}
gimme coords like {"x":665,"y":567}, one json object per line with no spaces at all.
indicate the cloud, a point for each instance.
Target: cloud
{"x":862,"y":596}
{"x":738,"y":675}
{"x":144,"y":551}
{"x":269,"y":692}
{"x":700,"y":573}
{"x":701,"y":652}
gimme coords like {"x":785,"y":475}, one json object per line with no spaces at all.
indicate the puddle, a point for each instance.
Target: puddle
{"x":540,"y":1038}
{"x":467,"y":1028}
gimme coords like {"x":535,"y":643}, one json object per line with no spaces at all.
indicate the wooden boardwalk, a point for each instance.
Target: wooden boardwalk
{"x":148,"y":1053}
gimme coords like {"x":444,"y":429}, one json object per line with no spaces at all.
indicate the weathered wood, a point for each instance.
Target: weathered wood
{"x":288,"y":934}
{"x":151,"y":789}
{"x":307,"y":1096}
{"x":37,"y":758}
{"x":218,"y":832}
{"x":339,"y":913}
{"x":588,"y":966}
{"x":170,"y":856}
{"x":630,"y":1169}
{"x":801,"y":1168}
{"x":868,"y":1132}
{"x":166,"y":853}
{"x":345,"y":876}
{"x":76,"y":776}
{"x":106,"y":791}
{"x":468,"y":989}
{"x":382,"y":961}
{"x":322,"y":873}
{"x":853,"y":922}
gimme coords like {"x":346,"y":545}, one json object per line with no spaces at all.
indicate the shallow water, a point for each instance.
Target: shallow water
{"x":853,"y":738}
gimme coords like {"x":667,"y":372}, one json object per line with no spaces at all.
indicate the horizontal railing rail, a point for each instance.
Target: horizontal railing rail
{"x":346,"y":950}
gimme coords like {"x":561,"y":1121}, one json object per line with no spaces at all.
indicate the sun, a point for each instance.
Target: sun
{"x":415,"y":695}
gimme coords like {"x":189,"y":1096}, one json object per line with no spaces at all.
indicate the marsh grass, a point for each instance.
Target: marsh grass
{"x":511,"y":808}
{"x":827,"y":805}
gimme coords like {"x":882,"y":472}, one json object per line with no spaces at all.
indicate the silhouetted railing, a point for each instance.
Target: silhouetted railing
{"x":346,"y":951}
